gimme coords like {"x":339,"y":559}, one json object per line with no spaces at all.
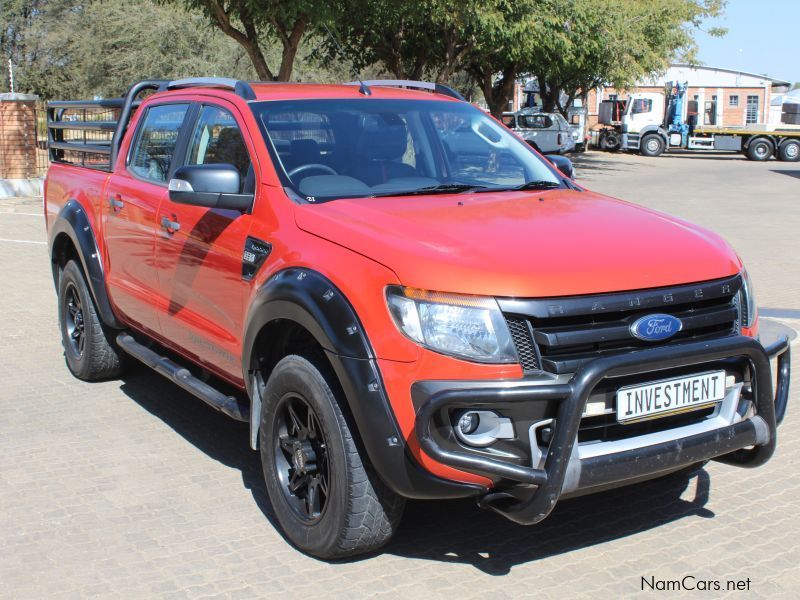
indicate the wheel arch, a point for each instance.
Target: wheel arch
{"x":303,"y":298}
{"x":758,"y":138}
{"x":654,"y":129}
{"x":72,"y":236}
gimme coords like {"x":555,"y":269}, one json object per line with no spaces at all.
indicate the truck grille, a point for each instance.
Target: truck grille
{"x":564,"y":333}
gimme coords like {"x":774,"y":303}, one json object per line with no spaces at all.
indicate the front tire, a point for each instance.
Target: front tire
{"x":88,"y":348}
{"x":328,"y":501}
{"x":652,"y":145}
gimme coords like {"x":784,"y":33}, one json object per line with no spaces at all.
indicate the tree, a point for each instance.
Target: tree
{"x":254,"y":23}
{"x":118,"y":44}
{"x":588,"y":43}
{"x":410,"y":40}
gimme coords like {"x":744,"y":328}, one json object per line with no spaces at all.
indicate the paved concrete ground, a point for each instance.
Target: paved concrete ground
{"x":132,"y":489}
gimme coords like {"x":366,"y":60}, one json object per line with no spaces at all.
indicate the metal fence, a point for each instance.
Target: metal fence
{"x":42,"y":159}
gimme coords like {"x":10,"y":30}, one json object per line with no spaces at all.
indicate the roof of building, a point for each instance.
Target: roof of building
{"x":735,"y":71}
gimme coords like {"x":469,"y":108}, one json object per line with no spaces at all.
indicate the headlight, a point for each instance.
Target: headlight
{"x":469,"y":327}
{"x":746,"y":302}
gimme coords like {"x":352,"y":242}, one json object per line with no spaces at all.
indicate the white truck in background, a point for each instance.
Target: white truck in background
{"x":650,"y":123}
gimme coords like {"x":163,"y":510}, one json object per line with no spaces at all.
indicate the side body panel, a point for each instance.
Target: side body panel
{"x":200,"y":273}
{"x":129,"y":227}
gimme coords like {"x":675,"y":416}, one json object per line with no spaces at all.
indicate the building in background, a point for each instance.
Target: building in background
{"x":724,"y":96}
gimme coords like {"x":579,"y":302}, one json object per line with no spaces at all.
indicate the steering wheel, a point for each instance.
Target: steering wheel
{"x":311,"y":167}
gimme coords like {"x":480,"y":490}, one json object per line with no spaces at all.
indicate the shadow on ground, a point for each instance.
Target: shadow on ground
{"x":456,"y":532}
{"x":795,"y":173}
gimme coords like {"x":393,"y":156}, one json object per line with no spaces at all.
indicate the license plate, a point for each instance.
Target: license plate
{"x":658,"y":398}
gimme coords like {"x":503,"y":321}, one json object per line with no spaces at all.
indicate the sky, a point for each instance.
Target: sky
{"x":763,"y":37}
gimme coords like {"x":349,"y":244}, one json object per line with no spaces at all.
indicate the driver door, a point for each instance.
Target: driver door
{"x":199,"y":252}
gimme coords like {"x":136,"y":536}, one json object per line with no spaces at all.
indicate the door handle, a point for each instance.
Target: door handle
{"x":170,"y":226}
{"x":116,"y":203}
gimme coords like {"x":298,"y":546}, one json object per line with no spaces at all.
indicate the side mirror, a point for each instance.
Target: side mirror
{"x":212,"y":186}
{"x":563,"y":164}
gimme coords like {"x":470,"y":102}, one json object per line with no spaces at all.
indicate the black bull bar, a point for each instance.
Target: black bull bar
{"x":748,"y":443}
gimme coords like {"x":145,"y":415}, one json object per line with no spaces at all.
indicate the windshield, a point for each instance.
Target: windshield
{"x":328,"y":149}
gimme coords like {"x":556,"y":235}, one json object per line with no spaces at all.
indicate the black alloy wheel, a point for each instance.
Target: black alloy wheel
{"x":301,"y":458}
{"x":73,"y":321}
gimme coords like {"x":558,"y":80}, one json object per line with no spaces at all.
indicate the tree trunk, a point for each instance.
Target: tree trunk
{"x":291,"y":43}
{"x":499,"y":95}
{"x":247,"y":39}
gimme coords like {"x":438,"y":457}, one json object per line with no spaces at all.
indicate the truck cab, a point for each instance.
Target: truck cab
{"x":644,"y":113}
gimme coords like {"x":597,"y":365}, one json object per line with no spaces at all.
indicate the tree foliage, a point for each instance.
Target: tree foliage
{"x":77,"y":47}
{"x":583,"y":44}
{"x":74,"y":49}
{"x":253,"y":24}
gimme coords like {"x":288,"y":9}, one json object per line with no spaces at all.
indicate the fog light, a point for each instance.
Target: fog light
{"x":468,"y":422}
{"x":482,"y":428}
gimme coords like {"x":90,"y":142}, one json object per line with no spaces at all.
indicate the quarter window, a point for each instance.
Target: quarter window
{"x":536,"y":121}
{"x":217,"y":139}
{"x":155,"y":145}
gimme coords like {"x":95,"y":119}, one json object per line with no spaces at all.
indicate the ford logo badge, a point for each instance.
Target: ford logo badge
{"x":654,"y":328}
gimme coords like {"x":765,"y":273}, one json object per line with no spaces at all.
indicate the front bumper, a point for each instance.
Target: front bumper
{"x":527,"y":494}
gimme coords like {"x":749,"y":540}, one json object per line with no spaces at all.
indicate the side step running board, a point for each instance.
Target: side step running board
{"x":228,"y":405}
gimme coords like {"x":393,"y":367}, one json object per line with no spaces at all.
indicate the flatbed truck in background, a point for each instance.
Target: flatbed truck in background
{"x":652,"y":123}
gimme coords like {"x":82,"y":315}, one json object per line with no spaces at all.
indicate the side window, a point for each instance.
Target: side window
{"x":537,"y":121}
{"x":642,"y":105}
{"x":474,"y":153}
{"x":217,"y":139}
{"x":155,"y":144}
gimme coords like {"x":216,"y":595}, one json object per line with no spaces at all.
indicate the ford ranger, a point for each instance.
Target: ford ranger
{"x":401,"y":297}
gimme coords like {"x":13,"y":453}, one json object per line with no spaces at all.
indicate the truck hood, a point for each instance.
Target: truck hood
{"x":523,"y":244}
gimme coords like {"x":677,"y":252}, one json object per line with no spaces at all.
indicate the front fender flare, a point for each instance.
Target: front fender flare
{"x":73,"y":222}
{"x":309,"y":299}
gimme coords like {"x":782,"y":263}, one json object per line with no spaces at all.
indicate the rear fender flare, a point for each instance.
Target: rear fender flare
{"x":73,"y":222}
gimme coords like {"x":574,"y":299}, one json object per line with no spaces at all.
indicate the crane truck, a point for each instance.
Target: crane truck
{"x":652,"y":123}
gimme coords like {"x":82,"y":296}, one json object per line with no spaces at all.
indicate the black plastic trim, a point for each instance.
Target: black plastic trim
{"x":661,"y":298}
{"x":73,"y":222}
{"x":537,"y":502}
{"x":181,"y":376}
{"x":312,"y":301}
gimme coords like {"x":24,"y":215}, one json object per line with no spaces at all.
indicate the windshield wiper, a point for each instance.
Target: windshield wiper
{"x":443,"y":188}
{"x":539,"y":184}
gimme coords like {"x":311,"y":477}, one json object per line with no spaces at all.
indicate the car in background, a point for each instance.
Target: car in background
{"x":548,"y":133}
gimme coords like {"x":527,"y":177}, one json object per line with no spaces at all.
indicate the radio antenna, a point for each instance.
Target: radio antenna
{"x":362,"y":89}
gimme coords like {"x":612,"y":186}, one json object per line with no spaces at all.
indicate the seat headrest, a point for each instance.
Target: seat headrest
{"x":304,"y":151}
{"x":383,"y":141}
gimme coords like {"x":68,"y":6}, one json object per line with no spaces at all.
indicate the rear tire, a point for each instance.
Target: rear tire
{"x":609,"y":142}
{"x":652,"y":145}
{"x":328,"y":501}
{"x":760,"y":150}
{"x":789,"y":151}
{"x":89,"y":349}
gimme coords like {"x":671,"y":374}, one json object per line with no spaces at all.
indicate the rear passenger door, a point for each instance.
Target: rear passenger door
{"x":200,"y":258}
{"x":130,"y":214}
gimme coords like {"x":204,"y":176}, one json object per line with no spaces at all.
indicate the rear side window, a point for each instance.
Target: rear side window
{"x":536,"y":121}
{"x":155,"y":144}
{"x":218,"y":139}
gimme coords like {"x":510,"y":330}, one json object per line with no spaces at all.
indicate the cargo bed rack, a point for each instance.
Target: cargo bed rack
{"x":88,"y":133}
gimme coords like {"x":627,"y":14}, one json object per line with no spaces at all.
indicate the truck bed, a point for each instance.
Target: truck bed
{"x":780,"y":129}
